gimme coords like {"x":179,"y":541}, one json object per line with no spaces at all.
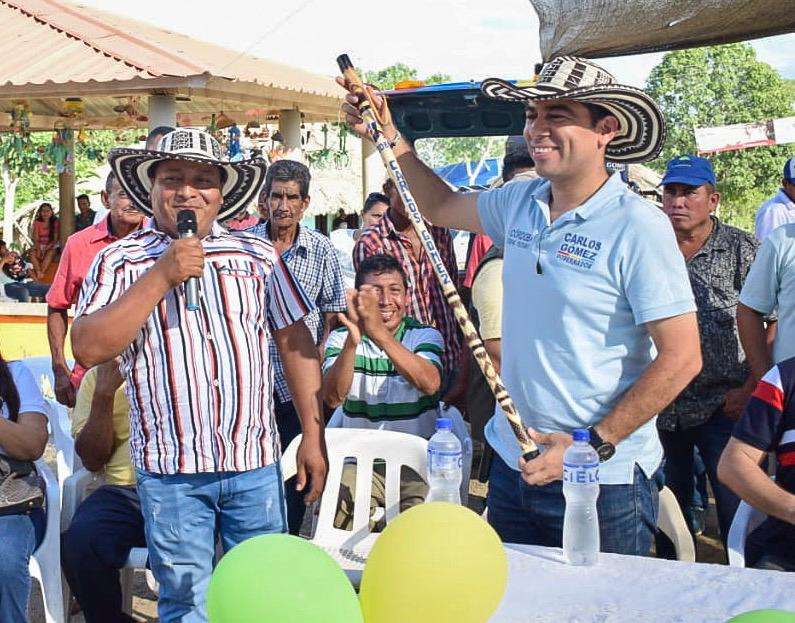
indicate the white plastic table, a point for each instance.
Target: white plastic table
{"x":542,"y":588}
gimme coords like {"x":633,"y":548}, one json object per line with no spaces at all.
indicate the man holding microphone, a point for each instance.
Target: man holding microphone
{"x":203,"y":438}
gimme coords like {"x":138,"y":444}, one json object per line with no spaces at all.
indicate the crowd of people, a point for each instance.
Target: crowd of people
{"x":664,"y":331}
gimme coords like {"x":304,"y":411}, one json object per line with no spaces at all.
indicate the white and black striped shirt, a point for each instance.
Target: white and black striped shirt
{"x":200,"y":383}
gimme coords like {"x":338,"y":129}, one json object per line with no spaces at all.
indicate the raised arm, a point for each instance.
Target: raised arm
{"x":440,"y":204}
{"x":105,"y":333}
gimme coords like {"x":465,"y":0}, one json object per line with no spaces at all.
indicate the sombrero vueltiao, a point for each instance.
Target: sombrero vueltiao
{"x":242,"y":179}
{"x":642,"y":126}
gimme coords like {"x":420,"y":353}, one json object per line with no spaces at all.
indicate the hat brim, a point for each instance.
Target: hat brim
{"x":686,"y":180}
{"x":243,"y":179}
{"x":642,"y":127}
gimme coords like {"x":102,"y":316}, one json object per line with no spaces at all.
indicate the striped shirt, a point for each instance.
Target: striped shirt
{"x":379,"y":397}
{"x":426,"y":301}
{"x":200,"y":383}
{"x":314,"y":264}
{"x":768,"y":424}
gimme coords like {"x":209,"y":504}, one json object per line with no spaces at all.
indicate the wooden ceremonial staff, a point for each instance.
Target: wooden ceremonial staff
{"x":529,"y":449}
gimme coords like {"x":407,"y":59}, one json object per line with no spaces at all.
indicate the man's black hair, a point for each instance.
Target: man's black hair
{"x":288,"y":171}
{"x":378,"y":264}
{"x":81,"y":196}
{"x":517,"y":156}
{"x":109,"y":182}
{"x":372,"y":199}
{"x":160,"y":130}
{"x":597,"y":112}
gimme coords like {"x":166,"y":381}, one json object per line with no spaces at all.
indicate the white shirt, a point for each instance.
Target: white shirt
{"x":774,"y":212}
{"x":30,"y":398}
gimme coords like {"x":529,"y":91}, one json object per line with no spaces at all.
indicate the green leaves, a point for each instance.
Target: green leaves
{"x":723,"y":85}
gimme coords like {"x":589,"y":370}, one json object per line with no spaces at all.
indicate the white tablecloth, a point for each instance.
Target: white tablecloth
{"x":541,"y":588}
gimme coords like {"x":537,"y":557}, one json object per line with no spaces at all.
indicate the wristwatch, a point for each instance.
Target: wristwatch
{"x":604,"y":449}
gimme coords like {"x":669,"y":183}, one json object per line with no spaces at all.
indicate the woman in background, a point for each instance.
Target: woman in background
{"x":46,"y":234}
{"x":23,"y":436}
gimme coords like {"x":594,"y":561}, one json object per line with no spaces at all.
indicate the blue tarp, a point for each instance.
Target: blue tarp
{"x":456,"y":174}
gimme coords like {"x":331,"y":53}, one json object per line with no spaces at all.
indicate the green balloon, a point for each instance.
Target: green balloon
{"x":280,"y":578}
{"x":764,"y":616}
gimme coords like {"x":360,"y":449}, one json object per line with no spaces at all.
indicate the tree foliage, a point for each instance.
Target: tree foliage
{"x":723,"y":85}
{"x":38,"y":179}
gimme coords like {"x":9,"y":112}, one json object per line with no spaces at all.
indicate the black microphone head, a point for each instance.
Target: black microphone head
{"x":186,"y":221}
{"x":344,"y":62}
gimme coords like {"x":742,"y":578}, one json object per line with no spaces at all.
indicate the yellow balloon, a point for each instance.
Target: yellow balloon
{"x":435,"y":563}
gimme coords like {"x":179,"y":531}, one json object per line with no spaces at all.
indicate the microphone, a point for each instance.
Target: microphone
{"x":186,"y":226}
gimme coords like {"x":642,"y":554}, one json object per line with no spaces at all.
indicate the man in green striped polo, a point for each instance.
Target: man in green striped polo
{"x":384,"y":368}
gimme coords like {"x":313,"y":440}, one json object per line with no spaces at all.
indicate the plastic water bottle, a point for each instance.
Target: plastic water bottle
{"x":444,"y":464}
{"x":581,"y":488}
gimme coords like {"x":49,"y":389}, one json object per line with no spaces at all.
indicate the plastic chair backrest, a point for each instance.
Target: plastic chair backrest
{"x":746,"y":520}
{"x":45,"y":563}
{"x":672,"y":524}
{"x":396,"y":449}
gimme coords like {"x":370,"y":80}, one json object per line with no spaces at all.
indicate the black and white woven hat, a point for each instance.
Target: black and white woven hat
{"x":642,"y":127}
{"x":241,"y":181}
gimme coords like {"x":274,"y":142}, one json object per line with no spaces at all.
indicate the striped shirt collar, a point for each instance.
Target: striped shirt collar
{"x":216,"y":232}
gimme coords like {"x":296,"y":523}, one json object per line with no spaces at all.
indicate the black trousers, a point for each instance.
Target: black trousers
{"x":106,"y":526}
{"x":289,"y":428}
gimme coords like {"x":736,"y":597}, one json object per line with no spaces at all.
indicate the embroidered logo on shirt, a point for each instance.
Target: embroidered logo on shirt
{"x":520,"y":238}
{"x":578,"y":250}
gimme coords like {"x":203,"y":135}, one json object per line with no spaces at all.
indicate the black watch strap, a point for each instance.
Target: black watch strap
{"x":604,"y":449}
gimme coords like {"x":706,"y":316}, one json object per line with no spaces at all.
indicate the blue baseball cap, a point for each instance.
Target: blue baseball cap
{"x":690,"y":170}
{"x":789,"y":170}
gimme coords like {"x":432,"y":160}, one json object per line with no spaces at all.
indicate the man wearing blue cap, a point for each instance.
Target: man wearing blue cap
{"x":780,"y":208}
{"x":718,"y":258}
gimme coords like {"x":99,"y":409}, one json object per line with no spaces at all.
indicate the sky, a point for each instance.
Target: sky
{"x":465,"y":39}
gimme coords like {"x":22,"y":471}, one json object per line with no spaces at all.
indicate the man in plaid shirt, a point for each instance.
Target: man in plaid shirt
{"x":394,"y":235}
{"x":313,"y":262}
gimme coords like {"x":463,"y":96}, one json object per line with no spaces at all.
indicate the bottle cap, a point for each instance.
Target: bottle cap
{"x":581,"y":434}
{"x":444,"y":423}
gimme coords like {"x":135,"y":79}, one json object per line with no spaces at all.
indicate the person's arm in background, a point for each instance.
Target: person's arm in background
{"x":740,"y":470}
{"x":94,"y":435}
{"x":26,"y":438}
{"x":339,"y":359}
{"x":100,"y":335}
{"x":487,"y":300}
{"x":61,"y":295}
{"x":57,"y":327}
{"x":302,"y":372}
{"x":758,"y":432}
{"x":440,"y":204}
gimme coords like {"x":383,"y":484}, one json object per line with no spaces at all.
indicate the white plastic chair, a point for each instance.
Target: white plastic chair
{"x":61,"y":427}
{"x":45,"y":564}
{"x":396,"y":449}
{"x":672,"y":524}
{"x":746,"y":520}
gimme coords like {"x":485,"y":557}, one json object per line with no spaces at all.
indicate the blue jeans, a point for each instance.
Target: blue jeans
{"x":23,"y":291}
{"x":20,"y":535}
{"x":533,"y":515}
{"x":184,"y":515}
{"x":710,"y":438}
{"x":106,"y":526}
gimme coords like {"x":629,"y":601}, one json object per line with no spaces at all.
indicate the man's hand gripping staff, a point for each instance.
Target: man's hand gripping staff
{"x":374,"y":128}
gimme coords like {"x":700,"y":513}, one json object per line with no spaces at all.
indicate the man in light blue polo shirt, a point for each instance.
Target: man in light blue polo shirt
{"x":599,"y":329}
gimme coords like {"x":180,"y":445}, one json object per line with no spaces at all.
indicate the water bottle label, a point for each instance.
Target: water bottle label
{"x":439,"y":460}
{"x":581,"y":473}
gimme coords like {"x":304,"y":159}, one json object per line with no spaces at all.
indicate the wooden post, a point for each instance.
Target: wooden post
{"x":66,"y":191}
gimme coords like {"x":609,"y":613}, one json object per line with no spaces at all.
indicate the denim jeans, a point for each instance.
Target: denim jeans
{"x":20,"y":535}
{"x":22,"y":292}
{"x":106,"y":526}
{"x":533,"y":515}
{"x":184,"y":515}
{"x":710,"y":438}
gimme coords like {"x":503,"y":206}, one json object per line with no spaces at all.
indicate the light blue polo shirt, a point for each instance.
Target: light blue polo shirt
{"x":770,"y":284}
{"x":574,"y":338}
